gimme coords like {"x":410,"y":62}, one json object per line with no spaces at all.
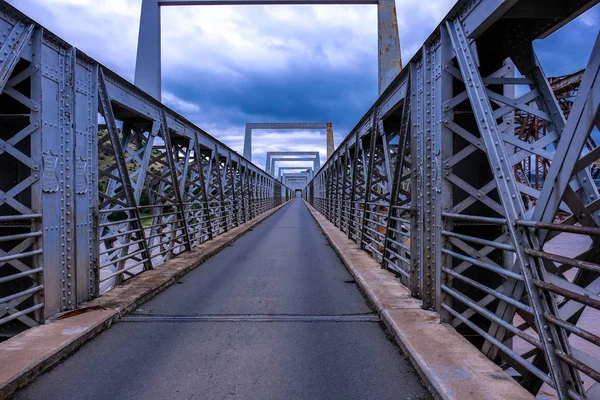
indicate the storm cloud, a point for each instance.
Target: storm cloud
{"x":225,"y":66}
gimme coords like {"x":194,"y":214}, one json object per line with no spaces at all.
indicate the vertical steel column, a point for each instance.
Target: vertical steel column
{"x":428,"y":277}
{"x":330,"y":145}
{"x":57,"y":179}
{"x":418,"y":203}
{"x":148,"y":62}
{"x":388,"y":44}
{"x":37,"y":206}
{"x":85,"y":121}
{"x":443,"y":147}
{"x":248,"y":143}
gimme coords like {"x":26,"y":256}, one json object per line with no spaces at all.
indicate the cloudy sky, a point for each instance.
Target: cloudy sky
{"x":225,"y":66}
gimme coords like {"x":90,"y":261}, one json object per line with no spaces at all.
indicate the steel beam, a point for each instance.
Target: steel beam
{"x":309,"y":170}
{"x":148,"y":62}
{"x":274,"y":156}
{"x":286,"y":126}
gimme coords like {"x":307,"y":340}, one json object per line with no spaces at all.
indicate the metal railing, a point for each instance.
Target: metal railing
{"x":430,"y":184}
{"x":85,"y":206}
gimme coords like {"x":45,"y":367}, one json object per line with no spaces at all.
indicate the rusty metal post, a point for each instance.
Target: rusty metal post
{"x":330,"y":145}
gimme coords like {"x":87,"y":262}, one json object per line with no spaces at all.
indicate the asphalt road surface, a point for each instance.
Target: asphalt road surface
{"x":273,"y":316}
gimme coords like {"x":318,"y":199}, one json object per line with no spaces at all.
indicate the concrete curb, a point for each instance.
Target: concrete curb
{"x":32,"y":352}
{"x":450,"y":366}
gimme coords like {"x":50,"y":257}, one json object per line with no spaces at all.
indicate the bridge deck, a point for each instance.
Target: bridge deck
{"x":274,"y":316}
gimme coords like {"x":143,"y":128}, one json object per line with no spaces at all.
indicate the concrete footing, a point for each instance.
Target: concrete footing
{"x":450,"y":366}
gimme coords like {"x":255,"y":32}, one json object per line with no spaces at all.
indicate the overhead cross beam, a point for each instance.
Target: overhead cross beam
{"x":288,"y":159}
{"x":148,"y":62}
{"x":286,"y":126}
{"x":295,"y":180}
{"x":273,"y":156}
{"x":308,"y":170}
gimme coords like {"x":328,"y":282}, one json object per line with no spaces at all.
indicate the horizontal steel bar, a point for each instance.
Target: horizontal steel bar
{"x":586,"y":265}
{"x":20,"y":217}
{"x":466,"y":238}
{"x":493,"y":268}
{"x":402,"y":259}
{"x":21,"y":294}
{"x":489,"y":290}
{"x":111,"y":223}
{"x":587,"y":300}
{"x":373,"y":249}
{"x":20,"y":313}
{"x":506,"y":350}
{"x":391,"y":266}
{"x":405,"y":247}
{"x":174,"y":205}
{"x":404,"y":221}
{"x":20,"y":255}
{"x":119,"y":272}
{"x":582,"y":333}
{"x":128,"y":256}
{"x":492,"y":317}
{"x":114,"y":210}
{"x":19,"y":236}
{"x":171,"y":249}
{"x":167,"y":240}
{"x":203,"y":221}
{"x":584,"y":230}
{"x":583,"y":367}
{"x":118,"y":234}
{"x":163,"y":233}
{"x":20,"y":275}
{"x":175,"y":221}
{"x":143,"y":216}
{"x":111,"y":249}
{"x":475,"y":218}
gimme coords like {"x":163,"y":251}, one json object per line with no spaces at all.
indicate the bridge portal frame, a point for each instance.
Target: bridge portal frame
{"x":286,"y":177}
{"x":308,"y":170}
{"x":148,"y":62}
{"x":290,"y":179}
{"x":289,"y":159}
{"x":274,"y":156}
{"x":250,"y":126}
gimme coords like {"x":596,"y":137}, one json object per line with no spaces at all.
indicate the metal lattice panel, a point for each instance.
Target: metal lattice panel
{"x":84,"y":206}
{"x":465,"y":229}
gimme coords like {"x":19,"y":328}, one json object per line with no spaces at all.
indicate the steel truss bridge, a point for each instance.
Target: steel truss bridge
{"x":101,"y":182}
